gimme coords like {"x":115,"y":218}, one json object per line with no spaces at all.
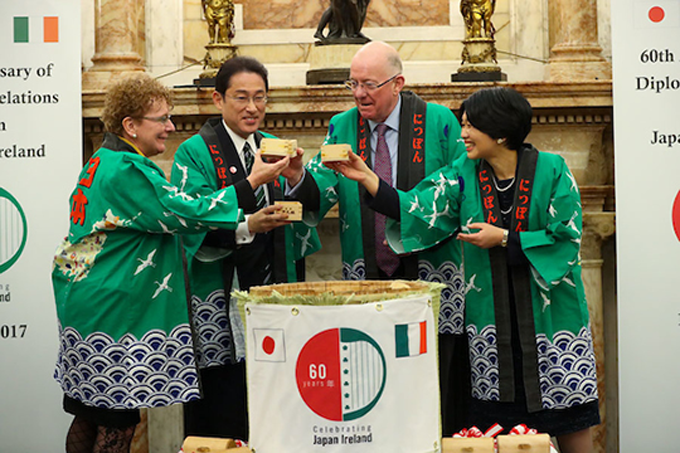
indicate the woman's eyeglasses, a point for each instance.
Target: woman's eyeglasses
{"x":159,"y":119}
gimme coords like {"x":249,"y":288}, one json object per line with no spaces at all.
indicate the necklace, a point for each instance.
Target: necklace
{"x":504,"y":189}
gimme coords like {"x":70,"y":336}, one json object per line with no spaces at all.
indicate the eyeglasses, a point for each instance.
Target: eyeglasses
{"x":159,"y":119}
{"x":352,"y":84}
{"x":258,"y":100}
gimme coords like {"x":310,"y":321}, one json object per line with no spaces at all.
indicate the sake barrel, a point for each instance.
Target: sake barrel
{"x":342,"y":366}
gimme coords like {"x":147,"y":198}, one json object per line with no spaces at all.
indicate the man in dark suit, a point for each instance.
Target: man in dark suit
{"x":224,"y":153}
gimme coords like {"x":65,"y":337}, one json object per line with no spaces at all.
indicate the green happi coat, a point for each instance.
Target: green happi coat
{"x":119,"y":285}
{"x":560,"y":359}
{"x":441,"y":144}
{"x":213,"y":271}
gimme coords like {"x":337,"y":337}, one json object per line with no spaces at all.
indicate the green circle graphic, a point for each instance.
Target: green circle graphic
{"x":6,"y":264}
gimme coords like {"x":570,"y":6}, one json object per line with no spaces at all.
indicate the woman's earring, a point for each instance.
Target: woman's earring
{"x":500,"y":141}
{"x":135,"y":136}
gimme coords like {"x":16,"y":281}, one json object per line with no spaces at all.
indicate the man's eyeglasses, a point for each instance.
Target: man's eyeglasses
{"x":258,"y":100}
{"x":159,"y":119}
{"x":352,"y":84}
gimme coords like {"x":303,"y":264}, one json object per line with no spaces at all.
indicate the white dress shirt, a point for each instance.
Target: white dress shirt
{"x":243,"y":234}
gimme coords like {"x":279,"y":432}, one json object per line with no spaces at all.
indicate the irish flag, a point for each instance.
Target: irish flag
{"x":36,"y":29}
{"x":410,"y":339}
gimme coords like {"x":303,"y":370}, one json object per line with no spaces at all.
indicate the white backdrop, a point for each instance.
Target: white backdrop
{"x":646,"y":58}
{"x":40,"y":157}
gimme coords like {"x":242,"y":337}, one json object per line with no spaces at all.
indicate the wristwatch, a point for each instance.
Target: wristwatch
{"x":504,"y":241}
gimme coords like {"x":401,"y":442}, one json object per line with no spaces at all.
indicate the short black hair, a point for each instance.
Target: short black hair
{"x":499,"y":112}
{"x":237,"y":65}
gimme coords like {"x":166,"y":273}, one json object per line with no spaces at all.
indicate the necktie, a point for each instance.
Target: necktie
{"x":250,"y":160}
{"x":382,"y":165}
{"x":249,"y":157}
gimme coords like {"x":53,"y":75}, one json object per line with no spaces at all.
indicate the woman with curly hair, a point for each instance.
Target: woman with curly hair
{"x":118,"y":277}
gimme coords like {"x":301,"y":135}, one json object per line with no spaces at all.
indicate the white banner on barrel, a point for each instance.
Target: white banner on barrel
{"x":350,"y":378}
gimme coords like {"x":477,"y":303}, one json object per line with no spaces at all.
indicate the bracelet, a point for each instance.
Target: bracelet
{"x":504,"y":241}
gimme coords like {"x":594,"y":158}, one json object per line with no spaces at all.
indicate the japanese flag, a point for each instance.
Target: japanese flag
{"x":410,"y":339}
{"x":269,"y":345}
{"x":656,"y":14}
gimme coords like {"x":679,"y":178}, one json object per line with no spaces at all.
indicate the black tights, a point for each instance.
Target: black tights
{"x":87,"y":437}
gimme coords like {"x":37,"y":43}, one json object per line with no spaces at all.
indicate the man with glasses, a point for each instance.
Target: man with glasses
{"x":224,"y":153}
{"x":403,"y":139}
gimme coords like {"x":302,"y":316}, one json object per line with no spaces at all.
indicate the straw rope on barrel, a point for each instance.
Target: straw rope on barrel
{"x":340,"y":287}
{"x":337,"y":293}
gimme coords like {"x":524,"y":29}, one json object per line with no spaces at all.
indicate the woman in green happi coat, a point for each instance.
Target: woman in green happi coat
{"x":518,"y":211}
{"x":118,"y":278}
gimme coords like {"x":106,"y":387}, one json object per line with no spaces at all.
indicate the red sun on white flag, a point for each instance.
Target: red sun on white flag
{"x":269,"y":345}
{"x":656,"y":14}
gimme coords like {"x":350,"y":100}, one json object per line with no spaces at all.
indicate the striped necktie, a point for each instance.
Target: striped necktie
{"x":250,"y":160}
{"x":385,"y":258}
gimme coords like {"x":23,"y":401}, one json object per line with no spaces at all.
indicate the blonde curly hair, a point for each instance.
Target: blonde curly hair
{"x":132,"y":96}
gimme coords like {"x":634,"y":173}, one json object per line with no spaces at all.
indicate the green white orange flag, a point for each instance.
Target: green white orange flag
{"x":410,"y":339}
{"x":32,"y":29}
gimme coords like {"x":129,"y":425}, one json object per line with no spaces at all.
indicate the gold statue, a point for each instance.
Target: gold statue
{"x":477,"y":15}
{"x":479,"y":46}
{"x":219,"y":14}
{"x":220,"y":17}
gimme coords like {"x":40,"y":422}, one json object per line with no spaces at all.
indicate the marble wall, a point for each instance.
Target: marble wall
{"x":263,"y":15}
{"x":172,"y":36}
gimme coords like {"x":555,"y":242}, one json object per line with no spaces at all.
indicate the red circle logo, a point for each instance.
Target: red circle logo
{"x":676,"y":215}
{"x":656,"y":14}
{"x":341,"y":374}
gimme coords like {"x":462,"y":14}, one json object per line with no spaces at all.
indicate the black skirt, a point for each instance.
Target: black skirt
{"x":112,"y":418}
{"x":556,"y":422}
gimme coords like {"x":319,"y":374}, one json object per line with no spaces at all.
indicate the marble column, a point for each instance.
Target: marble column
{"x":140,"y":441}
{"x":117,"y":25}
{"x":597,"y":226}
{"x":575,"y":53}
{"x":165,"y":429}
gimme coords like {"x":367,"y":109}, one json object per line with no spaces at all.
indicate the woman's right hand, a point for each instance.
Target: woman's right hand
{"x":488,"y":235}
{"x":357,"y":170}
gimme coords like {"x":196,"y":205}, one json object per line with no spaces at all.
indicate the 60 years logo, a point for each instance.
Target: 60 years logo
{"x":13,"y":230}
{"x":340,"y":374}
